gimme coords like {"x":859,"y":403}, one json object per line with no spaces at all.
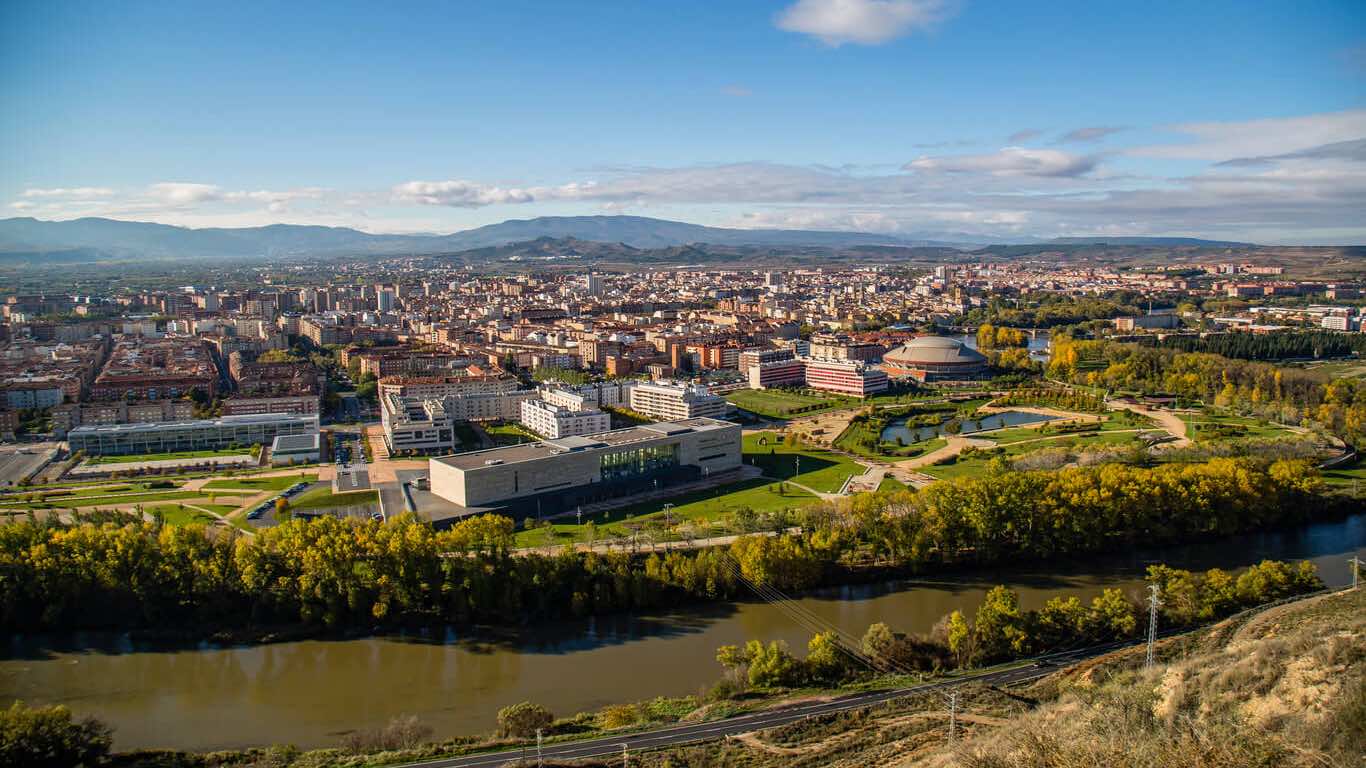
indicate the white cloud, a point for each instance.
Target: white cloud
{"x":738,"y":91}
{"x":1011,"y":161}
{"x":1258,"y":138}
{"x":183,"y":193}
{"x":69,"y":192}
{"x":864,"y":22}
{"x":459,"y":194}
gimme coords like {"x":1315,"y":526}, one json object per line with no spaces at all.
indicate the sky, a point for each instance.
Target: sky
{"x":991,"y":118}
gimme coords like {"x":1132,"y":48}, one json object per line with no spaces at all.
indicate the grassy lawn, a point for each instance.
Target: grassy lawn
{"x":890,"y":483}
{"x":143,"y":457}
{"x":711,"y":504}
{"x":1214,"y":426}
{"x":177,"y":514}
{"x":222,"y":509}
{"x":1350,"y":475}
{"x":782,"y":403}
{"x":976,"y":463}
{"x":509,"y":434}
{"x":322,"y":498}
{"x":277,"y":483}
{"x":105,"y":500}
{"x":820,"y":469}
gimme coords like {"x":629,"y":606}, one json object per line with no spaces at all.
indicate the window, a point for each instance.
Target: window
{"x":617,"y":465}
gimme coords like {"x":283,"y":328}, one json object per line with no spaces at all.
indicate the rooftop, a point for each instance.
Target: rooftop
{"x":513,"y":454}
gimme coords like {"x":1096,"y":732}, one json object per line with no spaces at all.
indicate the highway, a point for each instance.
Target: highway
{"x":686,"y":734}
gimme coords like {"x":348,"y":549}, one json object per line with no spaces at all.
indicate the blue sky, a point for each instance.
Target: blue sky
{"x":997,"y":118}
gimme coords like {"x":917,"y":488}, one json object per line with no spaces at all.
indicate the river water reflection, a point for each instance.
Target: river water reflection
{"x":310,"y":693}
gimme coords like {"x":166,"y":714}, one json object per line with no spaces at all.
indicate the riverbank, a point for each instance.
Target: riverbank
{"x":314,"y":692}
{"x":803,"y":717}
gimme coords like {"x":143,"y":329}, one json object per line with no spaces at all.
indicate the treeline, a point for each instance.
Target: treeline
{"x":1001,"y":631}
{"x":1285,"y":395}
{"x":1054,"y":397}
{"x":1278,"y":345}
{"x":350,"y":573}
{"x":1056,"y":310}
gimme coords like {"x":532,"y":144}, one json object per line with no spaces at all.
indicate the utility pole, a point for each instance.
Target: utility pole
{"x":1153,"y":602}
{"x":540,"y":760}
{"x":953,"y":715}
{"x":1356,"y":564}
{"x":625,"y":759}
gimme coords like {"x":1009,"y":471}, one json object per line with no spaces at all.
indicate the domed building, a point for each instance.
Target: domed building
{"x":935,"y":358}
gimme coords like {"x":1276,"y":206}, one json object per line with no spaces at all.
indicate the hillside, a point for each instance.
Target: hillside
{"x":1286,"y":687}
{"x":113,"y":238}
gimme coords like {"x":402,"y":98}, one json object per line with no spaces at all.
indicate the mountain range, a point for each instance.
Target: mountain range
{"x":95,"y":238}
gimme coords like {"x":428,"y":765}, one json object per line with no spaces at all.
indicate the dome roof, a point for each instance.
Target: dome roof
{"x":934,"y":350}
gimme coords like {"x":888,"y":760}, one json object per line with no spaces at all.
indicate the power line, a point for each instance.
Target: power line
{"x":1153,"y":602}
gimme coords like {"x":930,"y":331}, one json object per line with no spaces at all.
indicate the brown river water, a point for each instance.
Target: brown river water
{"x":311,"y":693}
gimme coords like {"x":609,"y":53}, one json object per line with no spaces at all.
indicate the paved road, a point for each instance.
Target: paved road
{"x":685,"y":734}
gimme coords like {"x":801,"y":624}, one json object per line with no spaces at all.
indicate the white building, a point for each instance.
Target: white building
{"x":556,"y":421}
{"x":416,"y":424}
{"x":676,"y":401}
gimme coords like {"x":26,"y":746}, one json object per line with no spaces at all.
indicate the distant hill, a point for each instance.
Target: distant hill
{"x":1155,"y":241}
{"x":112,"y":238}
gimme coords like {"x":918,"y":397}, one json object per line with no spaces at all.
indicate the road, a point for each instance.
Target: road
{"x":610,"y":746}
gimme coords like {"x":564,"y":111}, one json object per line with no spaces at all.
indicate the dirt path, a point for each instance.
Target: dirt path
{"x":1166,"y":419}
{"x":956,"y":445}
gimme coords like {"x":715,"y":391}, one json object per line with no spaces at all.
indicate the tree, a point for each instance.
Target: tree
{"x":960,"y":639}
{"x":48,"y":737}
{"x":999,"y":625}
{"x":523,"y":719}
{"x":878,"y":642}
{"x":824,"y":658}
{"x":771,"y":666}
{"x":281,"y":507}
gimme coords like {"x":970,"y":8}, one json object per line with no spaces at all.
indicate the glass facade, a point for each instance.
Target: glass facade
{"x":634,"y":462}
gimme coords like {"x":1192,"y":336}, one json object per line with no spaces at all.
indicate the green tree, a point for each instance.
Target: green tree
{"x":48,"y":737}
{"x":523,"y":719}
{"x":824,"y":659}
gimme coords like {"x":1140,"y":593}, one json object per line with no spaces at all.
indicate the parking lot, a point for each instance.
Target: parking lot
{"x":18,"y":462}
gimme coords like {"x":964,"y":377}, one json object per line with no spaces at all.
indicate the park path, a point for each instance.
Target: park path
{"x":1166,"y":419}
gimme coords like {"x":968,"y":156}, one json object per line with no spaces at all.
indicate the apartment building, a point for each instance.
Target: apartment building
{"x":847,"y":377}
{"x":556,"y":421}
{"x":675,"y":401}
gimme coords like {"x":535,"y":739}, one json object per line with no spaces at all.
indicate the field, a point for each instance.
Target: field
{"x":820,"y":469}
{"x":780,"y":403}
{"x":275,"y":483}
{"x":146,"y":457}
{"x":708,"y":505}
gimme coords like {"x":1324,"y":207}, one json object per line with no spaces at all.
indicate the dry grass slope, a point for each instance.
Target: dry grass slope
{"x":1281,"y":688}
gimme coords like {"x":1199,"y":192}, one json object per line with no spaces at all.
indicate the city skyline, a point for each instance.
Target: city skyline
{"x":899,"y":117}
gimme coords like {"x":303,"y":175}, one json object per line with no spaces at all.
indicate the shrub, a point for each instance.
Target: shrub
{"x":523,"y":719}
{"x":43,"y":737}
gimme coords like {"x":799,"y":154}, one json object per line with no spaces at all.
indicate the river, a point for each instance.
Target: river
{"x":310,"y":693}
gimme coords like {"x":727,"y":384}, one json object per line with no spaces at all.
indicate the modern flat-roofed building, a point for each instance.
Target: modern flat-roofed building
{"x":672,"y":400}
{"x":202,"y":435}
{"x":777,"y":373}
{"x":296,"y":449}
{"x":420,"y":424}
{"x":556,"y":421}
{"x":557,"y":475}
{"x":847,"y":377}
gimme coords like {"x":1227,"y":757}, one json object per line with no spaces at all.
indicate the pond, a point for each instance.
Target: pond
{"x":909,"y":435}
